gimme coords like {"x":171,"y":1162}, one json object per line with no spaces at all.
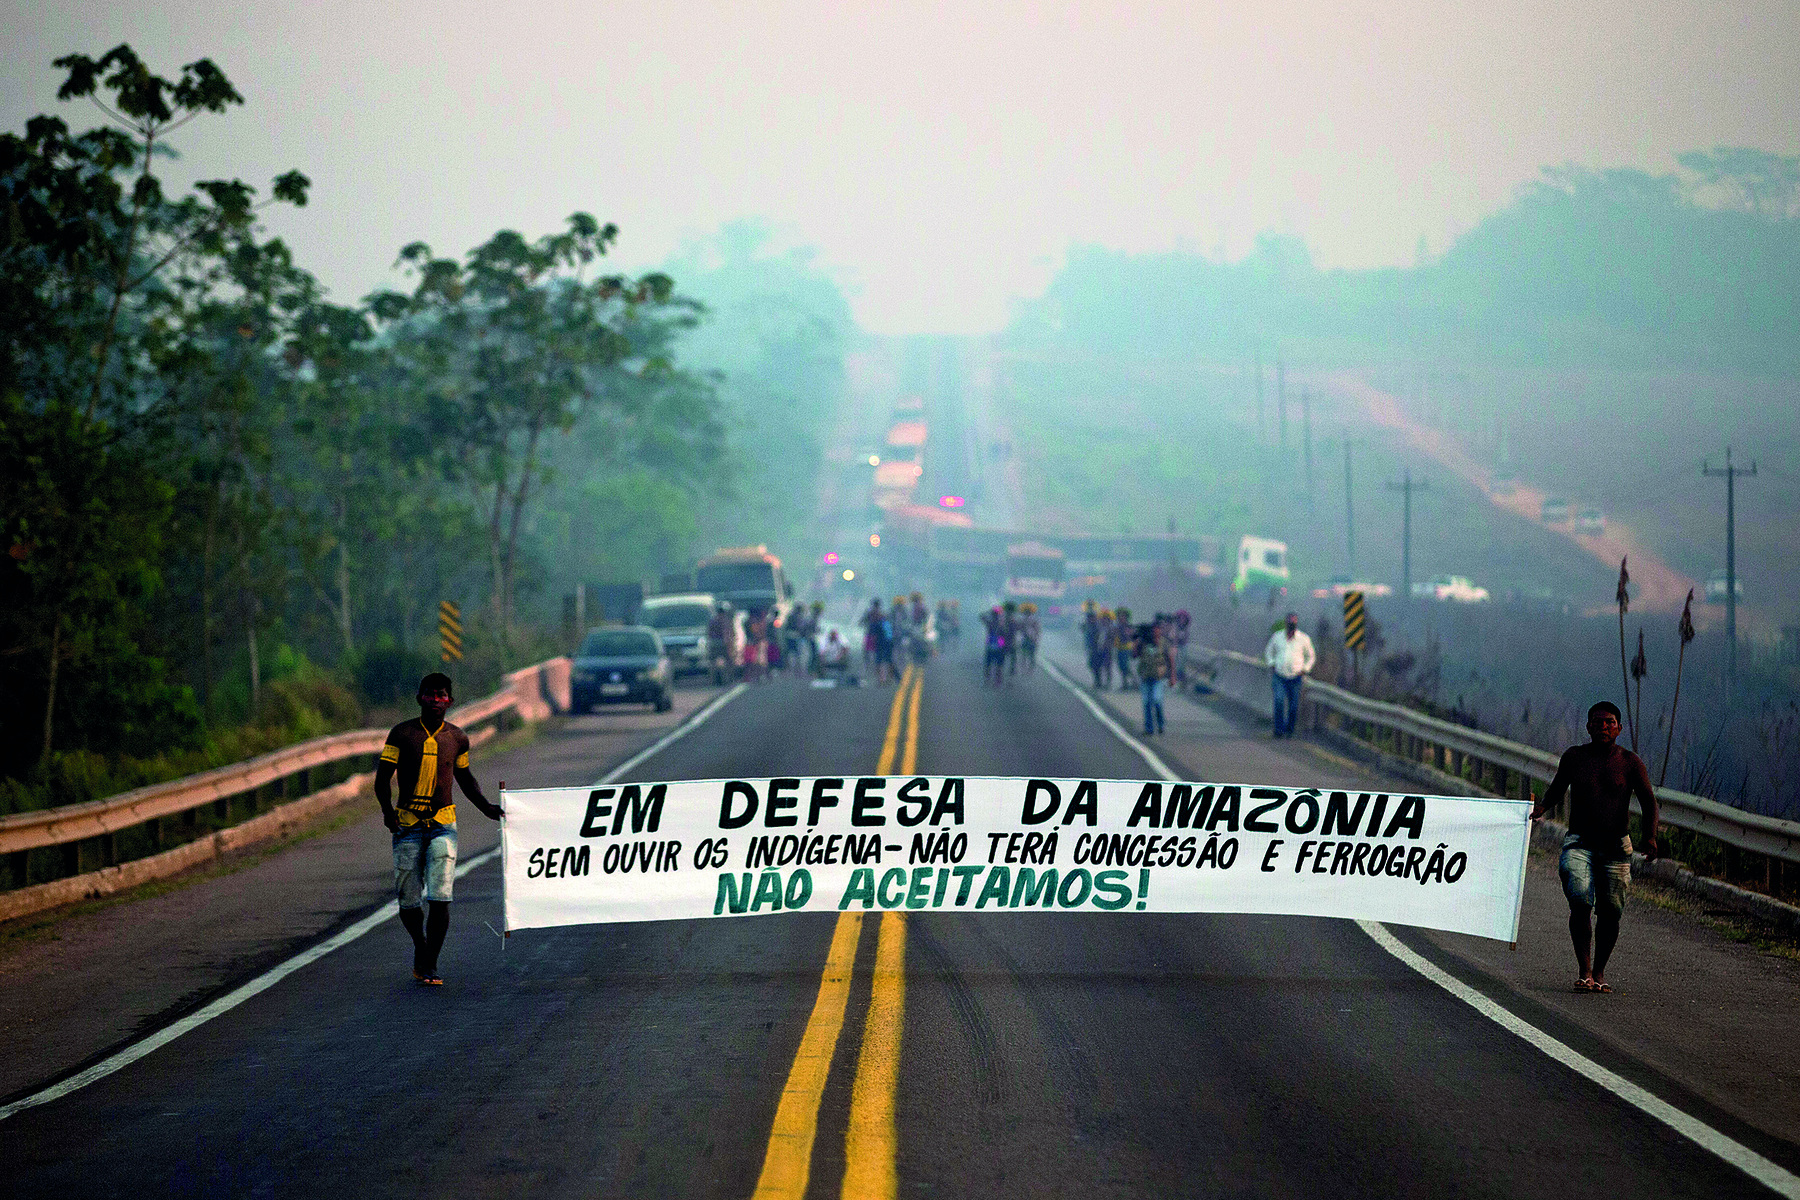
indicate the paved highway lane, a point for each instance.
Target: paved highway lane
{"x":1030,"y":1054}
{"x":1219,"y":1055}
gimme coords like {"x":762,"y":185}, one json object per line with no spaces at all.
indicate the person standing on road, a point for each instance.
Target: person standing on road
{"x":1290,"y":657}
{"x":900,"y":623}
{"x":881,"y":631}
{"x":1090,"y":639}
{"x":993,"y":660}
{"x":721,"y":642}
{"x":815,"y":621}
{"x":1599,"y":778}
{"x":1182,"y":625}
{"x":427,"y":754}
{"x":1122,"y":647}
{"x":1155,"y":665}
{"x":868,"y":620}
{"x":1031,"y":632}
{"x":799,"y":628}
{"x":1010,"y":628}
{"x":1107,"y":634}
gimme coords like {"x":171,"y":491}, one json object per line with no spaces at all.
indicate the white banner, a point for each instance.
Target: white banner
{"x":742,"y":847}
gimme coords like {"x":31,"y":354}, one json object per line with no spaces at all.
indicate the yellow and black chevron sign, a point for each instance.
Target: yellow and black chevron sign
{"x":1355,"y":621}
{"x":450,"y":630}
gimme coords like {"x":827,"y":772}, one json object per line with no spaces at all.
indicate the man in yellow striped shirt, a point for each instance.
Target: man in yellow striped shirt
{"x":426,"y":754}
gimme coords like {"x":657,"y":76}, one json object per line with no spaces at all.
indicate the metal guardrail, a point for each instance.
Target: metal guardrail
{"x":1432,"y":741}
{"x":534,"y":692}
{"x":75,"y":822}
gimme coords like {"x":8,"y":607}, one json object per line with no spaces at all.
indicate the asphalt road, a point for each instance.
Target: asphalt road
{"x":1034,"y":1054}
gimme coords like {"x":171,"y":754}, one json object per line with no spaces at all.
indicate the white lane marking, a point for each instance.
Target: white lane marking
{"x":700,"y":716}
{"x":280,"y":971}
{"x":223,"y":1004}
{"x":1776,"y":1178}
{"x":1771,"y":1175}
{"x":1105,"y":718}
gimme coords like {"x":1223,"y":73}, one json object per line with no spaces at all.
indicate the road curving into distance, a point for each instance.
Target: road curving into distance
{"x":822,"y":1054}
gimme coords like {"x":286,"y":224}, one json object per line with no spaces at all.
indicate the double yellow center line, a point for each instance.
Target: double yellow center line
{"x":870,"y":1142}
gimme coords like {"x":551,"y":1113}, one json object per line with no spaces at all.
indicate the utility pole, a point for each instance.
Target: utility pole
{"x":1306,"y":442}
{"x":1261,"y":430}
{"x":1730,"y":475}
{"x":1281,"y":401}
{"x":1406,"y":488}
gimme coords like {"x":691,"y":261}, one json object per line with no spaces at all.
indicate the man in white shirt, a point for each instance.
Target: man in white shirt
{"x":1290,"y":656}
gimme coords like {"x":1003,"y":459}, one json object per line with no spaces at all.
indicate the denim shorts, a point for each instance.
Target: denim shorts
{"x":1595,"y":880}
{"x":424,"y":863}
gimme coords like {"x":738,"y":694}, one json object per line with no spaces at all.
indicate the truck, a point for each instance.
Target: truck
{"x":1454,"y":589}
{"x":1261,"y":563}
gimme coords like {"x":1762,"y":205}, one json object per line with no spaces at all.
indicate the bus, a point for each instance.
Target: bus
{"x":1034,"y":573}
{"x":748,"y":576}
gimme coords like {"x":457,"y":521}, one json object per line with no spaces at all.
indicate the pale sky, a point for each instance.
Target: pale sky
{"x":941,"y":157}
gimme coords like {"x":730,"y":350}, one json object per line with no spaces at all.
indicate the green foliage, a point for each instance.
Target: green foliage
{"x":387,"y":673}
{"x":304,"y":706}
{"x":509,"y":349}
{"x":211,"y":477}
{"x":83,"y":530}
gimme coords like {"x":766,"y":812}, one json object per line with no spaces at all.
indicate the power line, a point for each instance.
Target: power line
{"x":1730,"y":474}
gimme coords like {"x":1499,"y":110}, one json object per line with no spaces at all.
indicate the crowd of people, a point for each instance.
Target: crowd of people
{"x":1011,"y":635}
{"x":760,"y":643}
{"x":906,"y":631}
{"x":1144,"y":656}
{"x":1147,"y":656}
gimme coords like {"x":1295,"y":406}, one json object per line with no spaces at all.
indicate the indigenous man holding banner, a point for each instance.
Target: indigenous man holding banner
{"x":1600,"y":778}
{"x":426,"y":753}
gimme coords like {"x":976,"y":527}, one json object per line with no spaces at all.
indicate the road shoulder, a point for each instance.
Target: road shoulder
{"x":78,"y":982}
{"x":1696,"y":1000}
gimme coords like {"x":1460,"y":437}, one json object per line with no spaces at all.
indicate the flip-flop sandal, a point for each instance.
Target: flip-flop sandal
{"x":1601,"y":987}
{"x":1586,"y":985}
{"x":430,"y":980}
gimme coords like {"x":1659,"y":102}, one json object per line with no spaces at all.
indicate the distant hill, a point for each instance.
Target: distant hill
{"x":1692,"y":269}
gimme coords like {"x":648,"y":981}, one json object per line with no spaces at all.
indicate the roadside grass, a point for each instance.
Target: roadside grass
{"x":1735,"y":927}
{"x":1739,"y":928}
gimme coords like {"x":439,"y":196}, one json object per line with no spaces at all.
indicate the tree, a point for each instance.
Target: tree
{"x":506,"y":349}
{"x":82,"y":528}
{"x":1753,"y":181}
{"x":219,"y":348}
{"x":99,"y":270}
{"x":147,"y":232}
